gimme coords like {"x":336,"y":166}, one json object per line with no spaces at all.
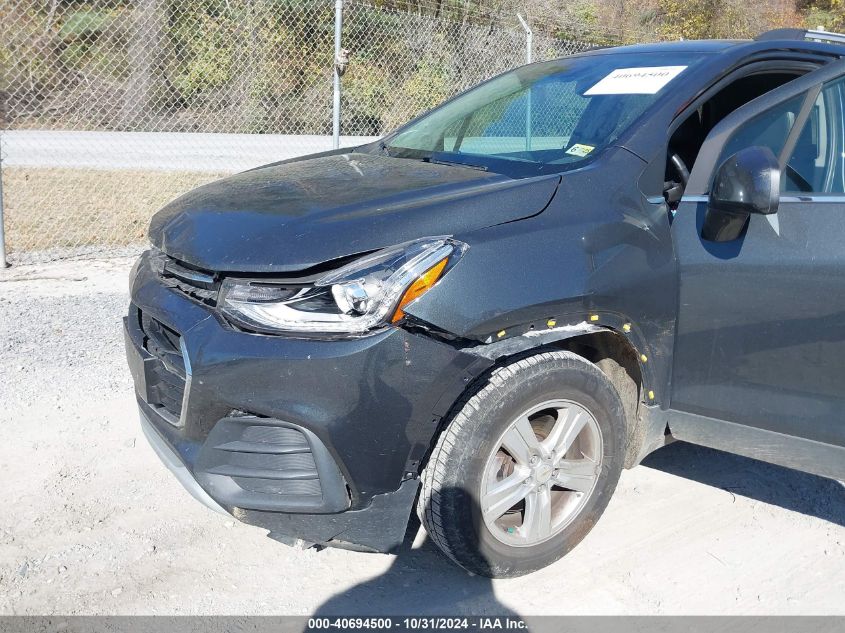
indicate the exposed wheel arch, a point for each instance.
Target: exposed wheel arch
{"x":619,"y":361}
{"x":612,"y":352}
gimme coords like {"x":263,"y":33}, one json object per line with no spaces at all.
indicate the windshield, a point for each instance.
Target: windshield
{"x":557,"y":113}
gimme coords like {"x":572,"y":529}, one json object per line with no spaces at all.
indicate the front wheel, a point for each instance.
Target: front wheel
{"x":525,"y":467}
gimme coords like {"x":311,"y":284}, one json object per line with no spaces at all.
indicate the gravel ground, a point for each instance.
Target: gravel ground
{"x":94,"y":524}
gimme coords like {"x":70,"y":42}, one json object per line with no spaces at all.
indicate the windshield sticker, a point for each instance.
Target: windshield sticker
{"x":635,"y":81}
{"x":580,"y":150}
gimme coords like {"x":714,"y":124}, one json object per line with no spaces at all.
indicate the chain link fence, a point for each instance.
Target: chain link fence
{"x":110,"y":108}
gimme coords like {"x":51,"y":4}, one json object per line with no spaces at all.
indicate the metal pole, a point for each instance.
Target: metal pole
{"x":338,"y":25}
{"x":529,"y":38}
{"x":3,"y":262}
{"x":529,"y":46}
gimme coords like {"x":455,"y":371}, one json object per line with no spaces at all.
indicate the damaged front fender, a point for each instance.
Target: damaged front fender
{"x":568,"y":272}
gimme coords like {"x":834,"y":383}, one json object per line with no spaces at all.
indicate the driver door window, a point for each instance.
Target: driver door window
{"x":817,"y":164}
{"x":769,"y":129}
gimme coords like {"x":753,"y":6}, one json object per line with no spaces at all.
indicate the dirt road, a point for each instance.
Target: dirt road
{"x":94,"y":524}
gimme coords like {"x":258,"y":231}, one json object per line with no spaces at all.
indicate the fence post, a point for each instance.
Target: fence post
{"x":529,"y":39}
{"x":3,"y":262}
{"x":529,"y":47}
{"x":338,"y":25}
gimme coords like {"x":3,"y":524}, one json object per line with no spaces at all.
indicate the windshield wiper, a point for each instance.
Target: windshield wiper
{"x":440,"y":161}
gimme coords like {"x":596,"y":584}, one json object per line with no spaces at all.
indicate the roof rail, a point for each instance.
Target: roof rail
{"x":801,"y":34}
{"x":826,"y":36}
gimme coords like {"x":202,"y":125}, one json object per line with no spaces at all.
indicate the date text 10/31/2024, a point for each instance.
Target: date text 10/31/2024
{"x":418,"y":623}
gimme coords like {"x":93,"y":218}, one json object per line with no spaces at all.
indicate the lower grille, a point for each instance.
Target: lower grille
{"x":270,"y":487}
{"x":269,"y":460}
{"x":263,"y":463}
{"x":166,"y":381}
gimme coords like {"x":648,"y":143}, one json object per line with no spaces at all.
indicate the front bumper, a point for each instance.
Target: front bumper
{"x":319,"y":440}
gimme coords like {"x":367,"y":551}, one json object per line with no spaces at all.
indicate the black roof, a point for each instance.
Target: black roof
{"x":680,"y":46}
{"x":794,"y":40}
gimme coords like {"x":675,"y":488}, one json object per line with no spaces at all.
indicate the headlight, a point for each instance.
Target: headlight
{"x":369,"y":292}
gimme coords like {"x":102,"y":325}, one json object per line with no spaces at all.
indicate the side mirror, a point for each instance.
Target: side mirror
{"x":747,"y":182}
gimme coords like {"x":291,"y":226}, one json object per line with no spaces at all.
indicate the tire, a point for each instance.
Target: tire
{"x":472,"y":454}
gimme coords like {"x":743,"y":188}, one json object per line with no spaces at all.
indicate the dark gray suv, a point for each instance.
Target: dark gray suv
{"x":491,"y":312}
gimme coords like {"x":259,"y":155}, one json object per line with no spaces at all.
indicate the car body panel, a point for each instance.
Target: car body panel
{"x":761,"y":327}
{"x":296,"y":215}
{"x":600,"y":249}
{"x":761,"y":335}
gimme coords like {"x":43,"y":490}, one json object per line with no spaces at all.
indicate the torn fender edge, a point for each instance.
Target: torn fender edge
{"x":645,"y":431}
{"x":530,"y":336}
{"x":531,"y":339}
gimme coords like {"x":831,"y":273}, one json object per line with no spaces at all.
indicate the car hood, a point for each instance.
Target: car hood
{"x":294,"y":215}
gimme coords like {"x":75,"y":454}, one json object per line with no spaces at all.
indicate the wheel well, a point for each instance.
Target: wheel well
{"x":612,"y":353}
{"x":618,"y":359}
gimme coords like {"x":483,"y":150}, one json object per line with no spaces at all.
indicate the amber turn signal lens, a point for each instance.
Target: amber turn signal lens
{"x":419,"y":287}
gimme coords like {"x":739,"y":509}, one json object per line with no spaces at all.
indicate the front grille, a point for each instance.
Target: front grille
{"x":198,"y":285}
{"x":166,"y":380}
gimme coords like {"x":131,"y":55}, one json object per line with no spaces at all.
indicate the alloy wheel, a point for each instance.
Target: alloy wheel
{"x":542,"y":472}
